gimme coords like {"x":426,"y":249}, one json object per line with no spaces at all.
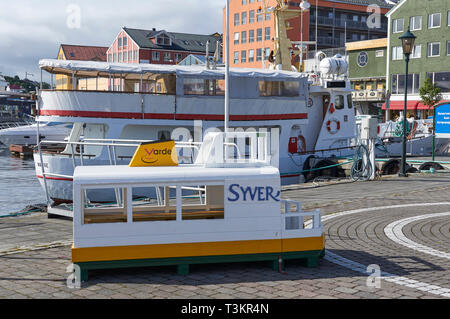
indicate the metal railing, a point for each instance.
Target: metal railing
{"x":294,"y":219}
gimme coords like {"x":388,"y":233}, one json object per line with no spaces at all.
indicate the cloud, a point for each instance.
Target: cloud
{"x":31,"y":30}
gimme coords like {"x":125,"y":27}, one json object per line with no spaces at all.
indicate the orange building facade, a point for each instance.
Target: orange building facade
{"x":252,"y":27}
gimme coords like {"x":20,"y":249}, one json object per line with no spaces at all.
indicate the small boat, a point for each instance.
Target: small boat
{"x":419,"y":139}
{"x":238,"y":214}
{"x":27,"y":135}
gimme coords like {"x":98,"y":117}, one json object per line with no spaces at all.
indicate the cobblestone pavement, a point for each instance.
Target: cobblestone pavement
{"x":355,"y":240}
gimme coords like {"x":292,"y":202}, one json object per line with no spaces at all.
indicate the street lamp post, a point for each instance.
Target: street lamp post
{"x":408,"y":45}
{"x":304,"y":6}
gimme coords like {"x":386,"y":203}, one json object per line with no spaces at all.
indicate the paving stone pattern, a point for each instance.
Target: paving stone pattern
{"x":41,"y":272}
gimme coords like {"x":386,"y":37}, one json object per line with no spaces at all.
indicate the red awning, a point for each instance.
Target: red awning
{"x":420,"y":106}
{"x":412,"y":105}
{"x":399,"y":105}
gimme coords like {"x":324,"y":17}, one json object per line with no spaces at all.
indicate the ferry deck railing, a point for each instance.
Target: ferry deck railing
{"x":111,"y":145}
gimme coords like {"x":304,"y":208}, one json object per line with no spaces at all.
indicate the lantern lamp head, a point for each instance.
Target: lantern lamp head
{"x":408,"y":40}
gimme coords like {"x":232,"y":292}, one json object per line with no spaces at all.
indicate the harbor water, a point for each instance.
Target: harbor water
{"x":19,"y":186}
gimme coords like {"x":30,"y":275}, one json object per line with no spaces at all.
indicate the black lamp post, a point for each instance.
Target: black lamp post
{"x":408,"y":45}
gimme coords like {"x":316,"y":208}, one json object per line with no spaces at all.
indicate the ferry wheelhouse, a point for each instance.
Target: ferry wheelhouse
{"x":307,"y":114}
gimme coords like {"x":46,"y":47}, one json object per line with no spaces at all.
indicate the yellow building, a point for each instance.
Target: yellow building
{"x":81,"y":53}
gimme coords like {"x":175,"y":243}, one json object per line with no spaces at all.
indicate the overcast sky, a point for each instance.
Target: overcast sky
{"x":33,"y":29}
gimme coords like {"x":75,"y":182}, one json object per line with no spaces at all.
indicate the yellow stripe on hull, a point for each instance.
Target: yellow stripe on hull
{"x":92,"y":254}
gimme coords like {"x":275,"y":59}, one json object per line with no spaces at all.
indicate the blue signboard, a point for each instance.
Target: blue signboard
{"x":443,"y":121}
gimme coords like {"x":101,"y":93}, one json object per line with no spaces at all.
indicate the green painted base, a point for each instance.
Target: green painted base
{"x":278,"y":261}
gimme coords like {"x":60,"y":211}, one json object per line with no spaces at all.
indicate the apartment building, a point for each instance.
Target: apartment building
{"x":252,"y":26}
{"x":429,"y":21}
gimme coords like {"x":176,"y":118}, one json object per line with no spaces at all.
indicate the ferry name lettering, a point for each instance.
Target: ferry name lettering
{"x":259,"y":193}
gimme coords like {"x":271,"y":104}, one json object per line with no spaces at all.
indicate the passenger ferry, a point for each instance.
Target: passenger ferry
{"x":311,"y":114}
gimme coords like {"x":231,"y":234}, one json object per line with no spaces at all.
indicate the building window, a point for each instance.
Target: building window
{"x":236,"y":19}
{"x":236,"y":38}
{"x":119,"y":42}
{"x":258,"y":54}
{"x":251,"y":55}
{"x":417,"y":52}
{"x":115,"y":57}
{"x":109,"y":57}
{"x":397,"y":25}
{"x":415,"y":23}
{"x":156,"y":56}
{"x":448,"y":47}
{"x":266,"y":53}
{"x":251,"y":16}
{"x":120,"y":57}
{"x":434,"y":20}
{"x":167,"y":57}
{"x":448,"y":18}
{"x":267,"y":35}
{"x":136,"y":55}
{"x":398,"y":83}
{"x":397,"y":53}
{"x":251,"y":36}
{"x":434,"y":49}
{"x":259,"y":15}
{"x":244,"y":37}
{"x":268,"y":16}
{"x":125,"y":42}
{"x":125,"y":56}
{"x":178,"y":57}
{"x":236,"y":57}
{"x":244,"y":18}
{"x":440,"y":80}
{"x":243,"y":56}
{"x":259,"y":35}
{"x":379,"y":53}
{"x":244,"y":2}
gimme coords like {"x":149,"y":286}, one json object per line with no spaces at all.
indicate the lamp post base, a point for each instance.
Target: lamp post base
{"x":402,"y":175}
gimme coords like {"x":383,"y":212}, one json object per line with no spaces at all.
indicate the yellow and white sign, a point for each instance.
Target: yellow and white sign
{"x":160,"y":153}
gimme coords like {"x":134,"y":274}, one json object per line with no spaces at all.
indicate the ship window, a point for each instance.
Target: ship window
{"x":204,"y":87}
{"x":159,"y":203}
{"x":202,"y":202}
{"x":279,"y":88}
{"x":115,"y":211}
{"x":349,"y":101}
{"x":339,"y":102}
{"x":154,"y":203}
{"x":163,"y":135}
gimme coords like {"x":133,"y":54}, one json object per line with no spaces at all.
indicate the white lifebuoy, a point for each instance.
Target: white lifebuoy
{"x":333,"y":126}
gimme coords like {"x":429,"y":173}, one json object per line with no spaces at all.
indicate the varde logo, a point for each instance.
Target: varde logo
{"x":237,"y":192}
{"x":155,"y":154}
{"x":151,"y":156}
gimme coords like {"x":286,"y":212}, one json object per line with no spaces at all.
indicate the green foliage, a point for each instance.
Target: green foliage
{"x":430,"y":94}
{"x":27,"y":85}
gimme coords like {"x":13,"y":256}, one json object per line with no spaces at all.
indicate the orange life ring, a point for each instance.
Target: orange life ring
{"x":333,"y":130}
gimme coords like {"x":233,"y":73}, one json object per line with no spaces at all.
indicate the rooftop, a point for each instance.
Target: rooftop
{"x":180,"y":41}
{"x":84,"y":52}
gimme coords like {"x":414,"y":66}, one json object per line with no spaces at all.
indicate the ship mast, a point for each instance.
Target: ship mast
{"x":283,"y":45}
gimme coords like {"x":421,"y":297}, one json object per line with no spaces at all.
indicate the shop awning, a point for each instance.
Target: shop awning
{"x":399,"y":105}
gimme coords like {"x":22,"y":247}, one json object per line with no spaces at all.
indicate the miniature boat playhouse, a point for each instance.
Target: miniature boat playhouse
{"x":226,"y":207}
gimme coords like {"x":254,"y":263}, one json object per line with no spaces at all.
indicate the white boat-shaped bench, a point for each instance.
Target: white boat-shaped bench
{"x":223,"y":208}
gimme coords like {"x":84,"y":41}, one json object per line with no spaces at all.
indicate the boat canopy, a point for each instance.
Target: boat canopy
{"x":135,"y":71}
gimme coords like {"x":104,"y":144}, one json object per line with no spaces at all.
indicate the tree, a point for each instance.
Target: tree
{"x":430,"y":94}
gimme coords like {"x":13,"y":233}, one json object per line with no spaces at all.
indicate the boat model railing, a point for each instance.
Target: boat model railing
{"x":113,"y":144}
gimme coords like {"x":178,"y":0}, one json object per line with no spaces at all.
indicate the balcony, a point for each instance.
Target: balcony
{"x":343,"y":23}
